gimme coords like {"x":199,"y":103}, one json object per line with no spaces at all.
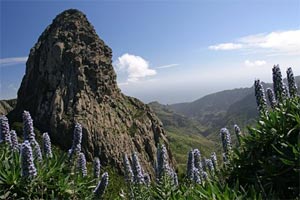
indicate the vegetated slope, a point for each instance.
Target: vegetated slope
{"x":183,"y":134}
{"x":223,"y":109}
{"x":216,"y":111}
{"x":172,"y":119}
{"x":210,"y":110}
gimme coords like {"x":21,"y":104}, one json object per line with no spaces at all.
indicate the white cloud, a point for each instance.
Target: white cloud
{"x":167,"y":66}
{"x":226,"y":46}
{"x":135,"y":66}
{"x":255,"y":63}
{"x":282,"y":42}
{"x":12,"y":61}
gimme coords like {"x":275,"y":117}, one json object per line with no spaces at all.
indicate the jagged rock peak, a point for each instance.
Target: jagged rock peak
{"x":73,"y":25}
{"x":70,"y":78}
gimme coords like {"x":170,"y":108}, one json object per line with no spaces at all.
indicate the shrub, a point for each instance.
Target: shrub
{"x":268,"y":158}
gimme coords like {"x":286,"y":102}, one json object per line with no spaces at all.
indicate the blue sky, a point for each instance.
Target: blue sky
{"x":169,"y":51}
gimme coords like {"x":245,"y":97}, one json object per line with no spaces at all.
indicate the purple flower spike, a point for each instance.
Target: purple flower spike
{"x":37,"y":151}
{"x":28,"y":127}
{"x":137,"y":169}
{"x":260,"y":96}
{"x":14,"y":140}
{"x":209,"y":165}
{"x":204,"y":175}
{"x":27,"y":165}
{"x":277,"y":83}
{"x":238,"y":133}
{"x":102,"y":185}
{"x":226,"y":142}
{"x":4,"y":130}
{"x":82,"y":164}
{"x":196,"y":175}
{"x":291,"y":82}
{"x":77,"y":137}
{"x":163,"y":167}
{"x":97,"y":167}
{"x":47,"y":145}
{"x":214,"y":161}
{"x":285,"y":91}
{"x":271,"y":98}
{"x":190,"y":165}
{"x":128,"y":171}
{"x":197,"y":159}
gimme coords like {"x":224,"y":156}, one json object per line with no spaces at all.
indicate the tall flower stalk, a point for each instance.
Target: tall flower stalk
{"x":81,"y":163}
{"x":277,"y":83}
{"x":226,"y":143}
{"x":285,"y":91}
{"x":29,"y":135}
{"x":260,"y":96}
{"x":163,"y":167}
{"x":271,"y":98}
{"x":4,"y":130}
{"x":27,"y":165}
{"x":238,"y":134}
{"x":138,"y":177}
{"x":291,"y":82}
{"x":196,"y":176}
{"x":102,"y":185}
{"x":204,"y":176}
{"x":214,"y":160}
{"x":37,"y":153}
{"x":209,"y":164}
{"x":76,"y":145}
{"x":96,"y":166}
{"x":127,"y":169}
{"x":47,"y":145}
{"x":197,"y":159}
{"x":198,"y":163}
{"x":14,"y":140}
{"x":190,"y":165}
{"x":28,"y":130}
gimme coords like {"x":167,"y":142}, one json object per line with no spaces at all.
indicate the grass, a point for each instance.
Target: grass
{"x":181,"y":144}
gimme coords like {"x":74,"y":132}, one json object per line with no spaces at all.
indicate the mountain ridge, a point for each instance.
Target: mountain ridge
{"x":224,"y":108}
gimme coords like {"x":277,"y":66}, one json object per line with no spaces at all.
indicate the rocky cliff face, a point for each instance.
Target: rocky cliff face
{"x":69,"y":78}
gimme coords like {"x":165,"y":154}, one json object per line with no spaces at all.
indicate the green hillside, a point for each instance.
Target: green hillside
{"x":223,"y":109}
{"x":183,"y":134}
{"x":197,"y":124}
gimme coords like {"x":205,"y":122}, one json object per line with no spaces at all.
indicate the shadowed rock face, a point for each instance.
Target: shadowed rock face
{"x":69,"y":78}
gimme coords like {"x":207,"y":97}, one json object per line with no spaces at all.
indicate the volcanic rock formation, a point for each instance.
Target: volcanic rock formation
{"x":70,"y":78}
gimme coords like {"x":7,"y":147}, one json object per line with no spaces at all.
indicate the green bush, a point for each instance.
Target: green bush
{"x":269,"y":156}
{"x":55,"y":178}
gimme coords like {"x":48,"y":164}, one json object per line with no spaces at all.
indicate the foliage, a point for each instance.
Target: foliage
{"x":214,"y":189}
{"x":265,"y":164}
{"x":180,"y":144}
{"x":269,"y":156}
{"x":25,"y":175}
{"x":54,"y":179}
